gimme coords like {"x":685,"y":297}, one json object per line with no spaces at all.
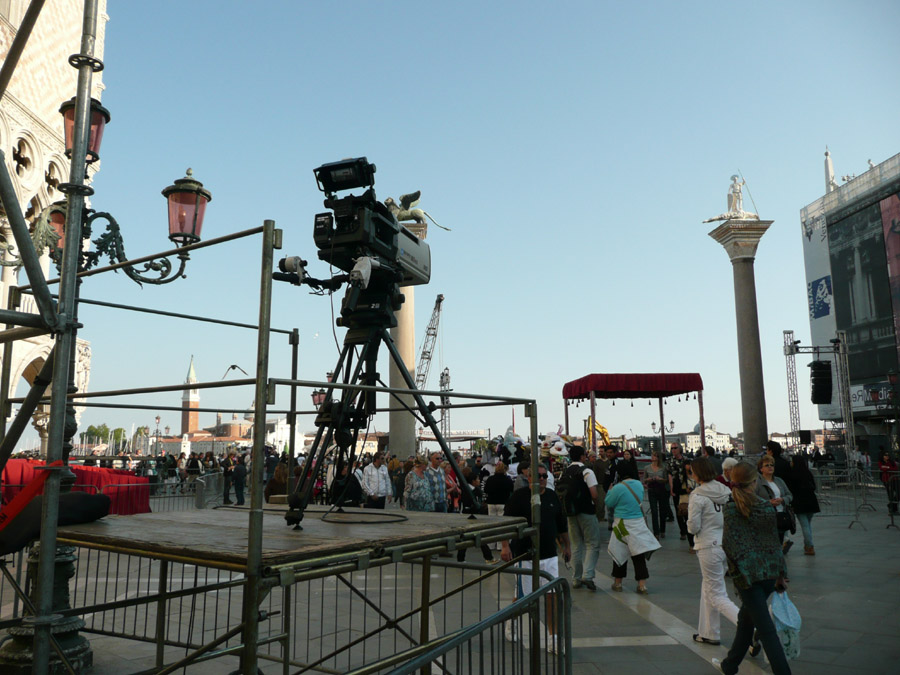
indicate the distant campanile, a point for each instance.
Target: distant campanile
{"x":190,"y":402}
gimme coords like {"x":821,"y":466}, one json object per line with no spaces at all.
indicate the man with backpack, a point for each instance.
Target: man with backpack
{"x":577,"y":490}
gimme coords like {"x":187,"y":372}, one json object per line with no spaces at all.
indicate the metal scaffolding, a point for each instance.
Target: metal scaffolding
{"x":58,"y":315}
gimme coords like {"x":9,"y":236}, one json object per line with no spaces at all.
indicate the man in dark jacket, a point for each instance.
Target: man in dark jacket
{"x":553,"y":529}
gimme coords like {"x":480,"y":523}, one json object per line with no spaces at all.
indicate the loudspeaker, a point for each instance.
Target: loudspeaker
{"x":805,"y":436}
{"x":820,"y":382}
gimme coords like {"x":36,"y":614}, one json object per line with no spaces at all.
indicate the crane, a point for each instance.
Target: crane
{"x":428,"y":345}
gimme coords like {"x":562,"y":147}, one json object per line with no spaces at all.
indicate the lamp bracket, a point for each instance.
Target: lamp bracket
{"x":111,"y":244}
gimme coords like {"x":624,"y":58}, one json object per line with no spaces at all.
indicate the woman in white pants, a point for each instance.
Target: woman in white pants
{"x":705,"y":522}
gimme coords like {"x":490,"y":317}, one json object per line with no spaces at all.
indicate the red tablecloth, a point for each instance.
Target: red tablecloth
{"x":128,"y":493}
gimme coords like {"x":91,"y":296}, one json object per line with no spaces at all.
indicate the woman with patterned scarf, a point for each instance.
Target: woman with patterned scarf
{"x":756,"y":565}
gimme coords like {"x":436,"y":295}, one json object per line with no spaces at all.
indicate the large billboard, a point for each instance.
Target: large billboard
{"x":890,"y":227}
{"x":851,"y":250}
{"x":820,"y":293}
{"x":862,"y":293}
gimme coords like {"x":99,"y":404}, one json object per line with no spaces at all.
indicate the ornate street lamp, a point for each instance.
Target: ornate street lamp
{"x":157,"y":435}
{"x":669,"y":429}
{"x":663,"y":430}
{"x":187,"y":200}
{"x":187,"y":205}
{"x":99,"y":120}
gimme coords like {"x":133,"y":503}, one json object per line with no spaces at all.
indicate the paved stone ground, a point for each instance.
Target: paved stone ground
{"x":848,"y":595}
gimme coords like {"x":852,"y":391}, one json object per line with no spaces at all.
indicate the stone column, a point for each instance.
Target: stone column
{"x":402,"y":423}
{"x":740,"y":238}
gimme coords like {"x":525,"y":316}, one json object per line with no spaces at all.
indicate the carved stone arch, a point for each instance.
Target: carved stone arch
{"x":28,"y":359}
{"x":33,"y":208}
{"x":5,"y":139}
{"x":29,"y":356}
{"x":27,"y":166}
{"x":56,"y":170}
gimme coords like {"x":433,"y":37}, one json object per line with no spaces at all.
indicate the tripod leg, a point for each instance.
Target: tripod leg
{"x":299,"y":499}
{"x":426,"y":413}
{"x":354,"y":409}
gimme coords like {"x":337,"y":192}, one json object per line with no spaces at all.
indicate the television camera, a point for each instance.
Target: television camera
{"x":377,"y":255}
{"x":361,"y":237}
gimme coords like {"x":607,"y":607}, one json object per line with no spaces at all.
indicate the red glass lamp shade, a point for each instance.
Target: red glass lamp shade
{"x":58,"y":221}
{"x":318,"y":397}
{"x":99,"y":120}
{"x":187,"y":206}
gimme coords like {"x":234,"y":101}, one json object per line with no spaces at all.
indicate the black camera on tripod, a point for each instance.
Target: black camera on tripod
{"x":362,"y":227}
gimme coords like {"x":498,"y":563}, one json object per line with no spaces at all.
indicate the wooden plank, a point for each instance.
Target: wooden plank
{"x":220,"y":535}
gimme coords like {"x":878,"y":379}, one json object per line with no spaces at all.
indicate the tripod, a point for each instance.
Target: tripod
{"x":339,"y":421}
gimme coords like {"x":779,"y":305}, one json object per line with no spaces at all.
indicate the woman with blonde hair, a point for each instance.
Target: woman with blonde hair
{"x":772,"y":488}
{"x":417,"y":494}
{"x":756,"y":565}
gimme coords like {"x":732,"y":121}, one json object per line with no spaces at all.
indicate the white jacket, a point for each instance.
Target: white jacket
{"x":705,"y":520}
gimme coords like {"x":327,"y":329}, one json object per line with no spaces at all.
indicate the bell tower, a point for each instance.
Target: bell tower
{"x":190,"y":401}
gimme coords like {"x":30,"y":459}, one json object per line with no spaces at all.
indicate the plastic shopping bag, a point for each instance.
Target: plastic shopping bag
{"x":787,"y":623}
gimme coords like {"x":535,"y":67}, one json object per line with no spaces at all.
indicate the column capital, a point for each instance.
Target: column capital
{"x":740,"y":238}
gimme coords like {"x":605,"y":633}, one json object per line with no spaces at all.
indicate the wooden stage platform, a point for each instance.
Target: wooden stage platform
{"x":218,"y":537}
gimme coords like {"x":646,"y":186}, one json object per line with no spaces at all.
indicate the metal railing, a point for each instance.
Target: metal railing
{"x":461,"y":617}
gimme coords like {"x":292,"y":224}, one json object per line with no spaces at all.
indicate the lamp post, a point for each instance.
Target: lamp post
{"x":84,"y":123}
{"x":157,"y":435}
{"x":186,"y":199}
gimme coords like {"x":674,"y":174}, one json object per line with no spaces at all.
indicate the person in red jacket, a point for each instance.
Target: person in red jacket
{"x":890,"y":477}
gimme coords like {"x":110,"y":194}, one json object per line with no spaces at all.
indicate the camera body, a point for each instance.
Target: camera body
{"x":361,"y":226}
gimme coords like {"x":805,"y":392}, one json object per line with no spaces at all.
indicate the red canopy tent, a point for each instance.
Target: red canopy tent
{"x":633,"y":385}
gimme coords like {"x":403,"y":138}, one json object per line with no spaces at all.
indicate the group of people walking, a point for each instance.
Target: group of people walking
{"x":728,"y":511}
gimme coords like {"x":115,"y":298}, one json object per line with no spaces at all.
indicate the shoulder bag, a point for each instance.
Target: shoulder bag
{"x":785,"y":519}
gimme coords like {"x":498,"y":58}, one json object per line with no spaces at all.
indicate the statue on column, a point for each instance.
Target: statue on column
{"x":735,"y":203}
{"x":405,"y":213}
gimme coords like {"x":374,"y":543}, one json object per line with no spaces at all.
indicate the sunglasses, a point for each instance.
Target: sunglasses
{"x":542,"y":475}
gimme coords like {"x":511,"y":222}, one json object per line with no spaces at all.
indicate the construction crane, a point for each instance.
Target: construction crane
{"x":428,"y":344}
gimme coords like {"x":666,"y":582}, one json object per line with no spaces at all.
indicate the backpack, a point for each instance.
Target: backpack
{"x":573,"y":492}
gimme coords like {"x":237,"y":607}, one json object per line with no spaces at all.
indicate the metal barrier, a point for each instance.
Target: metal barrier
{"x":381,"y":619}
{"x":10,"y":603}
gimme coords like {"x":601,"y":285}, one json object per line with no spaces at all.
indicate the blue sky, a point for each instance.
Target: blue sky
{"x":573,"y":147}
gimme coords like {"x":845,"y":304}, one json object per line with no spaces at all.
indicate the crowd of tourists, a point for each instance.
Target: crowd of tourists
{"x":734,"y":514}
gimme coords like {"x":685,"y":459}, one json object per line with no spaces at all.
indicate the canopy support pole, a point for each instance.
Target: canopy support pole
{"x":662,"y":425}
{"x":702,"y":421}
